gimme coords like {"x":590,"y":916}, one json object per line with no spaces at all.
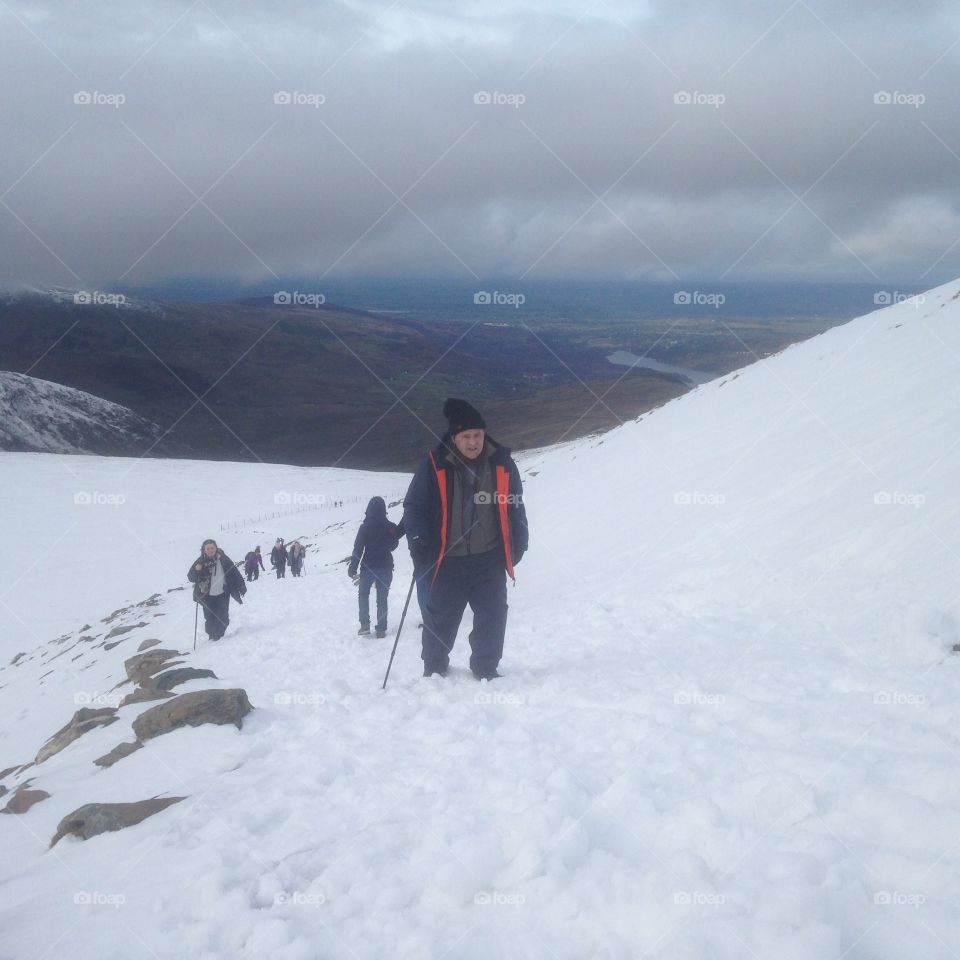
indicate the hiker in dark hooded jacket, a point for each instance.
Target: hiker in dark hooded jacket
{"x":278,"y":558}
{"x":467,"y":529}
{"x":373,"y":556}
{"x":215,"y":580}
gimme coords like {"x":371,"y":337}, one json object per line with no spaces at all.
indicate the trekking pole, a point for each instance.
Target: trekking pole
{"x":403,"y":617}
{"x":196,"y":617}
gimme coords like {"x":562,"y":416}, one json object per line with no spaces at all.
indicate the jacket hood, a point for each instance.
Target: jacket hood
{"x":376,"y":509}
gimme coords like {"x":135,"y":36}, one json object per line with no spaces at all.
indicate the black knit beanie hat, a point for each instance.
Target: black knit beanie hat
{"x":462,"y":416}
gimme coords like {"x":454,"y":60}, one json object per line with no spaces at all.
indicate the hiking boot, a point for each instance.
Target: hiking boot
{"x":486,"y":676}
{"x":364,"y":630}
{"x":381,"y":632}
{"x":430,"y":671}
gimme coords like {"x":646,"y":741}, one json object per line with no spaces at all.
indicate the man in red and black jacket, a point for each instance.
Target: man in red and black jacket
{"x":467,"y":529}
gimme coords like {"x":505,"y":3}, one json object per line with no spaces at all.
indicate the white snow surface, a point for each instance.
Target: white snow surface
{"x":727,"y":725}
{"x":46,"y":417}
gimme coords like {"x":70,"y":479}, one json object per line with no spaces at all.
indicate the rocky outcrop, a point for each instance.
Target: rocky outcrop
{"x":173,"y":678}
{"x":145,"y":694}
{"x":193,"y":709}
{"x":146,"y":644}
{"x":95,"y":818}
{"x":23,"y":798}
{"x":120,"y":631}
{"x":84,"y":720}
{"x":141,"y":667}
{"x":120,"y":751}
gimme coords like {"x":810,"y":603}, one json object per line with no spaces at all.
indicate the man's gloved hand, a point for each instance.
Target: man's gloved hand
{"x":351,"y":571}
{"x":418,"y":552}
{"x":356,"y":579}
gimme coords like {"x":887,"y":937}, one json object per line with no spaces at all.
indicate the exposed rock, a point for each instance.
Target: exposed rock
{"x":145,"y":644}
{"x":86,"y":626}
{"x":94,"y":818}
{"x":173,"y":678}
{"x":115,"y":614}
{"x":142,"y":666}
{"x":120,"y":751}
{"x":120,"y":631}
{"x":15,"y":661}
{"x":87,"y":638}
{"x":193,"y":709}
{"x":143,"y":694}
{"x":85,"y":719}
{"x":8,"y":770}
{"x":151,"y":601}
{"x":175,"y":589}
{"x":23,"y":798}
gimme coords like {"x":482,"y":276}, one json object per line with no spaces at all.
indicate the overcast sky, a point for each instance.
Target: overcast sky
{"x":616,"y":139}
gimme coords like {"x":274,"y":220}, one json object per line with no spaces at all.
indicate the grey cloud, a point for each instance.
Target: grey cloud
{"x":499,"y":188}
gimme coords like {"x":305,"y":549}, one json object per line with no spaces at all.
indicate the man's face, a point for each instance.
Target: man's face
{"x":469,"y":443}
{"x":210,"y":549}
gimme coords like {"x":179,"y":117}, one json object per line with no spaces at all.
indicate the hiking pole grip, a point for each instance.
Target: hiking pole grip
{"x":403,"y":617}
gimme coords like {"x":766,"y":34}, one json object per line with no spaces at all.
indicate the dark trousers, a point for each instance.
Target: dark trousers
{"x":382,"y":579}
{"x":253,"y":573}
{"x":423,"y":575}
{"x":281,"y":570}
{"x":481,"y":581}
{"x":216,"y":614}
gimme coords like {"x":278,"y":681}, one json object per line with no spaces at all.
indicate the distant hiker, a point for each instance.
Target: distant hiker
{"x":296,"y":556}
{"x":278,"y":558}
{"x":467,"y":527}
{"x":215,"y":580}
{"x":373,"y":556}
{"x":253,"y":564}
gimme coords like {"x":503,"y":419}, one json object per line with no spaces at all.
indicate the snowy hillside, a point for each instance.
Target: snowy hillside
{"x":727,"y":725}
{"x":44,"y":417}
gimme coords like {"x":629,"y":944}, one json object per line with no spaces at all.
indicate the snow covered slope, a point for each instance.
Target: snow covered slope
{"x":727,"y":726}
{"x":40,"y":416}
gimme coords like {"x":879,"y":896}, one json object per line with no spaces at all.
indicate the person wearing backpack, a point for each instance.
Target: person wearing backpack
{"x":215,"y":580}
{"x":372,"y":556}
{"x":278,"y":558}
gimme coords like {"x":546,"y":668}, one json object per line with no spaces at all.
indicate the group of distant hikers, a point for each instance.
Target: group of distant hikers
{"x":466,"y":528}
